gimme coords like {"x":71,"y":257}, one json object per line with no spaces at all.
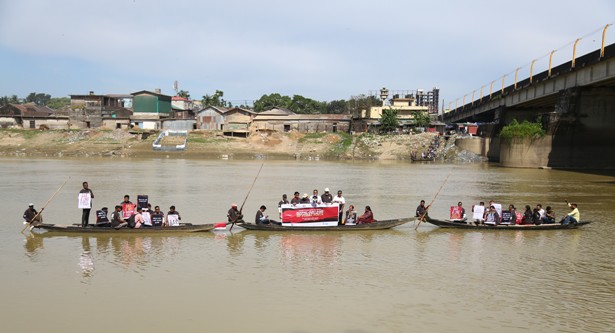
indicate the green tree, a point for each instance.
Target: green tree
{"x":337,"y":107}
{"x":363,"y":102}
{"x":389,"y":121}
{"x":184,"y":94}
{"x":38,"y":98}
{"x":268,"y":102}
{"x":304,"y":105}
{"x":215,"y":100}
{"x":421,"y":118}
{"x":58,"y":103}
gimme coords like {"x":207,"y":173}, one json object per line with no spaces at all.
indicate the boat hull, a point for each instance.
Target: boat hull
{"x":457,"y":225}
{"x":378,"y":225}
{"x":182,"y":228}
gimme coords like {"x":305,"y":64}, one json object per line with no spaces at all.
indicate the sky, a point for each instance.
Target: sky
{"x":324,"y":50}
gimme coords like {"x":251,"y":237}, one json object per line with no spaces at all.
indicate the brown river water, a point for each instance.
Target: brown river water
{"x":398,"y":280}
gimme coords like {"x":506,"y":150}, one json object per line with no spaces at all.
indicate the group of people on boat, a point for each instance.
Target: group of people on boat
{"x":126,"y":213}
{"x":348,"y":217}
{"x":494,"y":215}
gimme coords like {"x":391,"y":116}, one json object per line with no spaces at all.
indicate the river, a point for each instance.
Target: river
{"x":399,"y":280}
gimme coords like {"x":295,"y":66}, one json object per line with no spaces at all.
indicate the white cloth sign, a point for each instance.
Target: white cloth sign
{"x":85,"y":201}
{"x":173,"y":220}
{"x":478,"y":213}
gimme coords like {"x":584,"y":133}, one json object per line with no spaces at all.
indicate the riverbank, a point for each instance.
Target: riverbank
{"x":212,"y":144}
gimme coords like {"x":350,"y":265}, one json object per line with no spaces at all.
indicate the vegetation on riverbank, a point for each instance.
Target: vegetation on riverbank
{"x":526,"y":129}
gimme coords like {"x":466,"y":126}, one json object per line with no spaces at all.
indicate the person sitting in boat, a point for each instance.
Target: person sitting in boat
{"x":326,"y":197}
{"x":117,"y":220}
{"x":32,"y":216}
{"x":157,"y":217}
{"x":315,"y":198}
{"x":304,"y":199}
{"x":261,"y":218}
{"x":536,"y":216}
{"x":367,"y":217}
{"x":549,"y":216}
{"x":421,"y":210}
{"x":351,"y":216}
{"x":173,"y":217}
{"x":528,"y":215}
{"x":574,"y":216}
{"x":233,"y":214}
{"x":513,"y":214}
{"x":541,"y":212}
{"x":138,"y":218}
{"x":464,"y":217}
{"x":295,"y":200}
{"x":492,"y":216}
{"x":102,"y":219}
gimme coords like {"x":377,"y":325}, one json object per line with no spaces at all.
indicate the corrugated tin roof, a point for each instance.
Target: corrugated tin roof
{"x":278,"y":111}
{"x":297,"y":117}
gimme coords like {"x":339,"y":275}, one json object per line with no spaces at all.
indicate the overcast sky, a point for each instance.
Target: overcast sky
{"x":324,"y":50}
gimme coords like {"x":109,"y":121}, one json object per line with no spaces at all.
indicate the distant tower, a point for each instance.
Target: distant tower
{"x":176,"y":87}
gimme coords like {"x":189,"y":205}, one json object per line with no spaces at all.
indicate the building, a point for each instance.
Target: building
{"x":31,"y":116}
{"x":211,"y":118}
{"x":149,"y":104}
{"x":405,"y":102}
{"x":282,"y":120}
{"x":88,"y":111}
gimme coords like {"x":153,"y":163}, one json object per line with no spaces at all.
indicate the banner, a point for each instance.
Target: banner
{"x":310,"y":214}
{"x":147,"y":219}
{"x":128,"y":210}
{"x":142,"y":200}
{"x":478,"y":213}
{"x":456,"y":213}
{"x":85,"y":201}
{"x":173,"y":220}
{"x":506,"y":217}
{"x":157,"y":220}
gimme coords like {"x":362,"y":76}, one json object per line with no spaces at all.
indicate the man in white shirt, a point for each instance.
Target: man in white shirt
{"x":339,"y":199}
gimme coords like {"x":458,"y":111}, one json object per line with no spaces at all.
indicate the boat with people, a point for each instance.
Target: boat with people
{"x":422,"y":159}
{"x":376,"y":225}
{"x":473,"y":226}
{"x":91,"y":229}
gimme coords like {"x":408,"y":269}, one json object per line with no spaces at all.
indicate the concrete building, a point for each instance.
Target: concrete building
{"x":88,"y":111}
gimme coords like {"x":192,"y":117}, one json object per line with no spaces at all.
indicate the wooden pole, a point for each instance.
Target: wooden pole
{"x":432,"y":201}
{"x":247,"y":195}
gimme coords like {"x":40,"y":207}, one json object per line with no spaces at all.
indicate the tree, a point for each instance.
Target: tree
{"x":184,"y":94}
{"x":38,"y":99}
{"x":389,"y":121}
{"x":268,"y":102}
{"x":215,"y":100}
{"x":363,"y":102}
{"x":58,"y":103}
{"x":421,"y":118}
{"x":304,"y":105}
{"x":337,"y":107}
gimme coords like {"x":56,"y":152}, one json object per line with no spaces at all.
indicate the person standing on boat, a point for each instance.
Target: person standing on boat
{"x":315,"y":199}
{"x":261,"y":218}
{"x":31,"y":215}
{"x":341,"y":202}
{"x":326,"y":197}
{"x":128,"y":208}
{"x":85,"y":202}
{"x":574,"y":216}
{"x":233,"y":214}
{"x":295,"y":200}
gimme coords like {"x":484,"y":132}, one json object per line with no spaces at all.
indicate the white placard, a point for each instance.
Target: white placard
{"x":85,"y":201}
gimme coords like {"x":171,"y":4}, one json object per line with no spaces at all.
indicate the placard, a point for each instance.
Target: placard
{"x":173,"y":220}
{"x":85,"y":201}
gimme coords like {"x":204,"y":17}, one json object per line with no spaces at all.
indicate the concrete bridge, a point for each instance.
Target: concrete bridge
{"x":575,"y":102}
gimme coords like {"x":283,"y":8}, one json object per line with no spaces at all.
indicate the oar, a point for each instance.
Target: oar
{"x":247,"y":195}
{"x":48,"y":201}
{"x":434,"y":199}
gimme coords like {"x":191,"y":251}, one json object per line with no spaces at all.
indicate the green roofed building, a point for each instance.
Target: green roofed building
{"x":151,"y":104}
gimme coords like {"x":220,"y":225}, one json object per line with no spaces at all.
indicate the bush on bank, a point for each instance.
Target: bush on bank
{"x":525,"y":129}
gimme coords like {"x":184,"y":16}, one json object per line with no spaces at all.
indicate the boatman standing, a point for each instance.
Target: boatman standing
{"x":85,"y":202}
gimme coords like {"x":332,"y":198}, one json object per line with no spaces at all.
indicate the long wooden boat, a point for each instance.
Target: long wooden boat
{"x":183,"y":227}
{"x":378,"y":225}
{"x":458,"y":225}
{"x":422,"y":159}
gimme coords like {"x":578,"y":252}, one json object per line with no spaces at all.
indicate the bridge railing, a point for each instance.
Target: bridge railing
{"x":496,"y":92}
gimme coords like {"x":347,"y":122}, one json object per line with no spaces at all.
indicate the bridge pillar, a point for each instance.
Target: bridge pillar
{"x":584,"y":129}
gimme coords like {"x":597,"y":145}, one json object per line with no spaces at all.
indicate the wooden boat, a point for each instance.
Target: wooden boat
{"x":183,"y":227}
{"x":459,"y":225}
{"x":378,"y":225}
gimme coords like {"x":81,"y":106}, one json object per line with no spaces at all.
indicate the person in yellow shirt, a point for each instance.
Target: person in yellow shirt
{"x":574,"y":216}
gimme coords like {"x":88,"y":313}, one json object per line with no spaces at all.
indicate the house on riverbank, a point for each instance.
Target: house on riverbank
{"x":31,"y":116}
